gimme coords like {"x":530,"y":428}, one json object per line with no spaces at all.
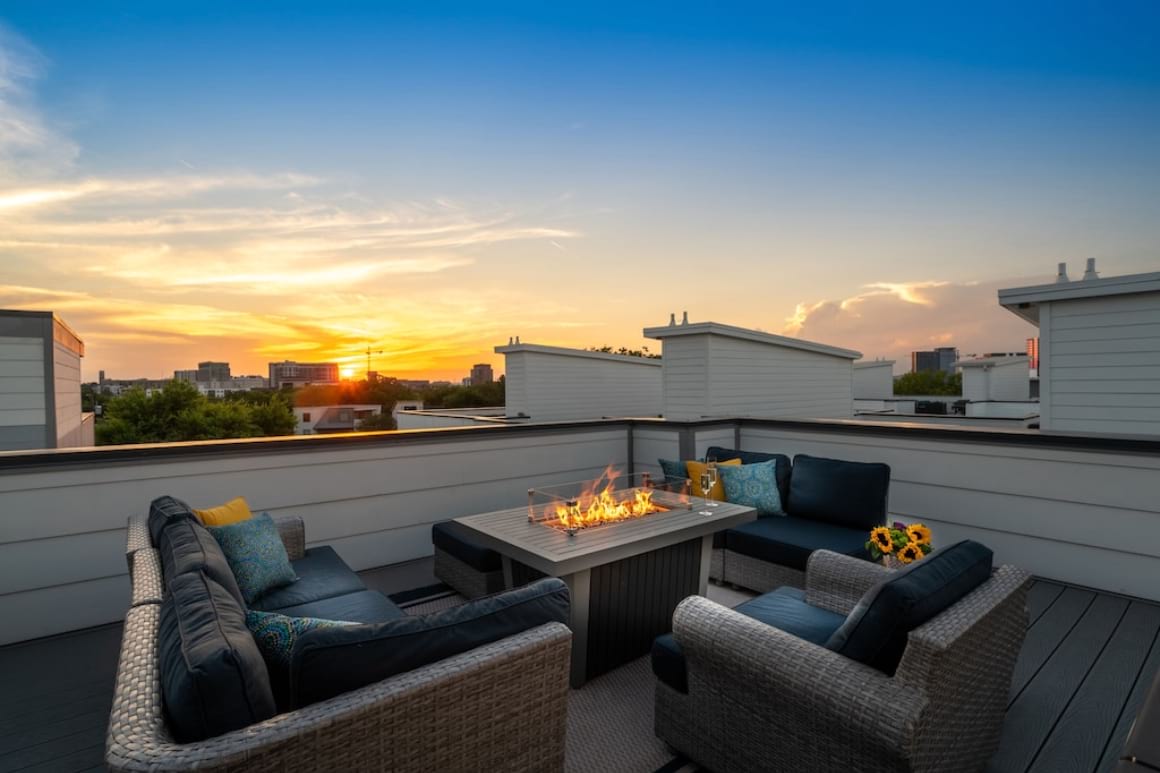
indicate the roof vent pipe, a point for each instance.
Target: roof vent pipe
{"x":1091,"y":273}
{"x":1061,"y":277}
{"x":685,"y":318}
{"x":673,"y":319}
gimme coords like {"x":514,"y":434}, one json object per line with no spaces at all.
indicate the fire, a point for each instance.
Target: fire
{"x":593,"y":507}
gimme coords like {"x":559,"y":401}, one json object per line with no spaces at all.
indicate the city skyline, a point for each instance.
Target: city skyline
{"x":431,"y":183}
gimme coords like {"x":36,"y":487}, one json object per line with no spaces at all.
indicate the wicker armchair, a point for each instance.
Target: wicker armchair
{"x":760,"y":699}
{"x":498,"y":707}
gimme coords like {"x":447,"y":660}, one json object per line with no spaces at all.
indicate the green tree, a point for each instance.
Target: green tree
{"x":473,"y":396}
{"x":641,"y":352}
{"x":178,"y":412}
{"x":929,"y":382}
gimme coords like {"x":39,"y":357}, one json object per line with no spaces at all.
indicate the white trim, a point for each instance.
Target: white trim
{"x":1025,"y":301}
{"x":729,"y":331}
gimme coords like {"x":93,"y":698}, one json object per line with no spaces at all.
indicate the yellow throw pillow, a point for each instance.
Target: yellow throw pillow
{"x":223,"y":515}
{"x":696,"y":468}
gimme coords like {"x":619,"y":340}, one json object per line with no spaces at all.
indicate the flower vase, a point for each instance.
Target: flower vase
{"x":890,"y":562}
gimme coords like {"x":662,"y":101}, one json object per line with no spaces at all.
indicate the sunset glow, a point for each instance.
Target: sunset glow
{"x":431,"y":186}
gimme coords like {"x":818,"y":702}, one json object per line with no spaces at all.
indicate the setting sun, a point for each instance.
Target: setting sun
{"x":347,"y":373}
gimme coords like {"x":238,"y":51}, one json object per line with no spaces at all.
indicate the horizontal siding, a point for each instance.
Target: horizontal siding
{"x":1102,"y":358}
{"x":686,"y":384}
{"x":748,"y":378}
{"x":62,"y":536}
{"x":22,"y":394}
{"x":649,"y":445}
{"x":1088,"y":518}
{"x":560,"y":388}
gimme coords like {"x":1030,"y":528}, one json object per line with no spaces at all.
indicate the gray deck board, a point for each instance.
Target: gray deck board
{"x":1081,"y":676}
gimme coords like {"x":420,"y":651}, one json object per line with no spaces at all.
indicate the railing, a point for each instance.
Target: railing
{"x":1081,"y":509}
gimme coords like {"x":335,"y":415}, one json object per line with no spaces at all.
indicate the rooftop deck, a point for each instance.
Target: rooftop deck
{"x":1086,"y":664}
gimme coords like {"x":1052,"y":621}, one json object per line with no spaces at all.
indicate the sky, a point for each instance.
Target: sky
{"x":200,"y":181}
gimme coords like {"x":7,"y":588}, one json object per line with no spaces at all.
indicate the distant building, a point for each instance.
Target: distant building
{"x":325,"y":419}
{"x":942,"y":358}
{"x":299,"y":374}
{"x":213,"y":371}
{"x":481,"y":374}
{"x":40,"y":392}
{"x":178,"y":375}
{"x":119,"y":386}
{"x":233,"y":384}
{"x":415,"y":383}
{"x":1033,"y":352}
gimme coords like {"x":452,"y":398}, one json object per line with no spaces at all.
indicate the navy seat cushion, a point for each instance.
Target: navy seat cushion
{"x":850,"y":494}
{"x":162,"y":510}
{"x":186,"y":546}
{"x":213,"y":678}
{"x":459,"y":541}
{"x":321,"y":575}
{"x":329,"y":662}
{"x":784,"y":608}
{"x":783,"y":469}
{"x":875,"y":631}
{"x":364,"y":606}
{"x":789,"y":541}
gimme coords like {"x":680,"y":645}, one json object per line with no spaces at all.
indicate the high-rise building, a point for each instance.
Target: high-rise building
{"x":189,"y":375}
{"x":297,"y":374}
{"x":481,"y":374}
{"x":943,"y":358}
{"x":213,"y":371}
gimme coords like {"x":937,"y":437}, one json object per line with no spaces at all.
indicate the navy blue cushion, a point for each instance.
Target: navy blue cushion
{"x":162,"y":510}
{"x":321,"y":575}
{"x":784,"y":608}
{"x":364,"y":606}
{"x":460,"y":541}
{"x":789,"y":541}
{"x":783,"y":468}
{"x":876,"y":630}
{"x":844,"y":493}
{"x":329,"y":662}
{"x":186,"y":546}
{"x":213,"y":678}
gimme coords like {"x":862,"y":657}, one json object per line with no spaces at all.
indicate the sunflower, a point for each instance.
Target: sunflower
{"x":919,"y":533}
{"x":911,"y":552}
{"x":882,"y":539}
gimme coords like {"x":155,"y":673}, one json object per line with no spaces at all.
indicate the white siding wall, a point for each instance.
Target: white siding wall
{"x":561,"y":387}
{"x":976,"y":384}
{"x":62,"y":531}
{"x":873,"y":381}
{"x":67,"y":387}
{"x":750,"y":378}
{"x":22,"y":394}
{"x":1100,"y":364}
{"x":649,"y":445}
{"x":1011,"y":380}
{"x":686,"y":379}
{"x":1090,"y":518}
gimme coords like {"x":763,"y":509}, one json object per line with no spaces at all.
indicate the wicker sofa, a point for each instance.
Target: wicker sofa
{"x":760,"y":699}
{"x":500,"y":706}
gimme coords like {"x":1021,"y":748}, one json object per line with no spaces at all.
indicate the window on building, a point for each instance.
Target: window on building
{"x":305,"y":416}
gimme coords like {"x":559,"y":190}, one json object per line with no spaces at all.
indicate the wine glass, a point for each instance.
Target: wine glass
{"x":706,"y":484}
{"x":711,"y":469}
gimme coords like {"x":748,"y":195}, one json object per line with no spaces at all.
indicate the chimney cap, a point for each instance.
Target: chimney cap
{"x":1090,"y":272}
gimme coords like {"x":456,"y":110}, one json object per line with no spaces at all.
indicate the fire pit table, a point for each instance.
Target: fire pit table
{"x":625,"y":577}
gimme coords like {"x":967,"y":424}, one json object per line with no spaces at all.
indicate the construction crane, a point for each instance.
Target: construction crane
{"x":369,"y":352}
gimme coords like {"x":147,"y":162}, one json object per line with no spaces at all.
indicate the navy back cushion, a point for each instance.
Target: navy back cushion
{"x":162,"y":511}
{"x":213,"y":678}
{"x":187,"y":546}
{"x":330,"y":661}
{"x":875,"y":631}
{"x":782,"y":468}
{"x":843,"y":493}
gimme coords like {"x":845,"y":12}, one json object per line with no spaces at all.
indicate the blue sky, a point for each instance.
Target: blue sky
{"x":255,"y":184}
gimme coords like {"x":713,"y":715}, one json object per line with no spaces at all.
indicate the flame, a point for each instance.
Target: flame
{"x":593,"y":508}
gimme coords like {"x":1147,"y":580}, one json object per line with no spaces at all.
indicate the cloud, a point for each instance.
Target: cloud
{"x":892,"y":319}
{"x":27,"y":144}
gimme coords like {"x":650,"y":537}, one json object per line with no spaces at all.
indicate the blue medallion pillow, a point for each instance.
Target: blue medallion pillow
{"x":256,"y":555}
{"x":753,"y":485}
{"x":674,"y":470}
{"x":276,"y":636}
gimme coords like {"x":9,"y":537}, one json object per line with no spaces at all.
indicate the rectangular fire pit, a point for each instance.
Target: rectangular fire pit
{"x":625,"y":577}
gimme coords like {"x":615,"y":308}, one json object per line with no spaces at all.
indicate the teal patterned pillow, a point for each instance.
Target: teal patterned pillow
{"x":255,"y":554}
{"x":674,"y":471}
{"x":754,"y":485}
{"x":276,"y":634}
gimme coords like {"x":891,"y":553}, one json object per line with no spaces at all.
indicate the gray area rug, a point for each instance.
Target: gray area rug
{"x":610,"y":719}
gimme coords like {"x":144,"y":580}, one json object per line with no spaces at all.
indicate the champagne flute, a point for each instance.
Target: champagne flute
{"x":711,"y":468}
{"x":706,"y":484}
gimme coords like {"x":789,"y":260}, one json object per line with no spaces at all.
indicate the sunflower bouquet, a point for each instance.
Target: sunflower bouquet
{"x":904,"y":543}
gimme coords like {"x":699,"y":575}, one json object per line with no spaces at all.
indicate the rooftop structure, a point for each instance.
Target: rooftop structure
{"x":40,"y":383}
{"x":322,"y":419}
{"x":873,"y":379}
{"x":942,"y":358}
{"x":299,"y":374}
{"x":481,"y":373}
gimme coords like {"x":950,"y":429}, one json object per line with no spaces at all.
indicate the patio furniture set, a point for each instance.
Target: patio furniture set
{"x":840,"y":664}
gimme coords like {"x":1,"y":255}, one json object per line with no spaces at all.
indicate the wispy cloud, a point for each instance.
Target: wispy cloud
{"x":28,"y":146}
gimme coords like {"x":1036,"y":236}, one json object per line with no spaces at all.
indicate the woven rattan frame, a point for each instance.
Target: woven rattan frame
{"x":148,"y":587}
{"x":757,"y":575}
{"x":942,"y":711}
{"x":136,"y":538}
{"x":465,"y":579}
{"x":293,"y":533}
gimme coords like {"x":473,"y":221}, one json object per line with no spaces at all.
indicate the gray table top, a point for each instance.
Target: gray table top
{"x":555,"y":552}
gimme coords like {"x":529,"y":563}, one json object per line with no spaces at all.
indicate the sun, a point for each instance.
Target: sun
{"x":346,"y":373}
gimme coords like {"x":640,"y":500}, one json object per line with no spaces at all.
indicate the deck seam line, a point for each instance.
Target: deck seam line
{"x":1054,"y":649}
{"x":1127,"y":697}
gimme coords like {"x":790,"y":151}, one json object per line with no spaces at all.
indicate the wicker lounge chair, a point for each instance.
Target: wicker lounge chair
{"x":760,"y":699}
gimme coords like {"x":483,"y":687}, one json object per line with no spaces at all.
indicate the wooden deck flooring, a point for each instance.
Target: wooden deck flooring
{"x":1088,"y":659}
